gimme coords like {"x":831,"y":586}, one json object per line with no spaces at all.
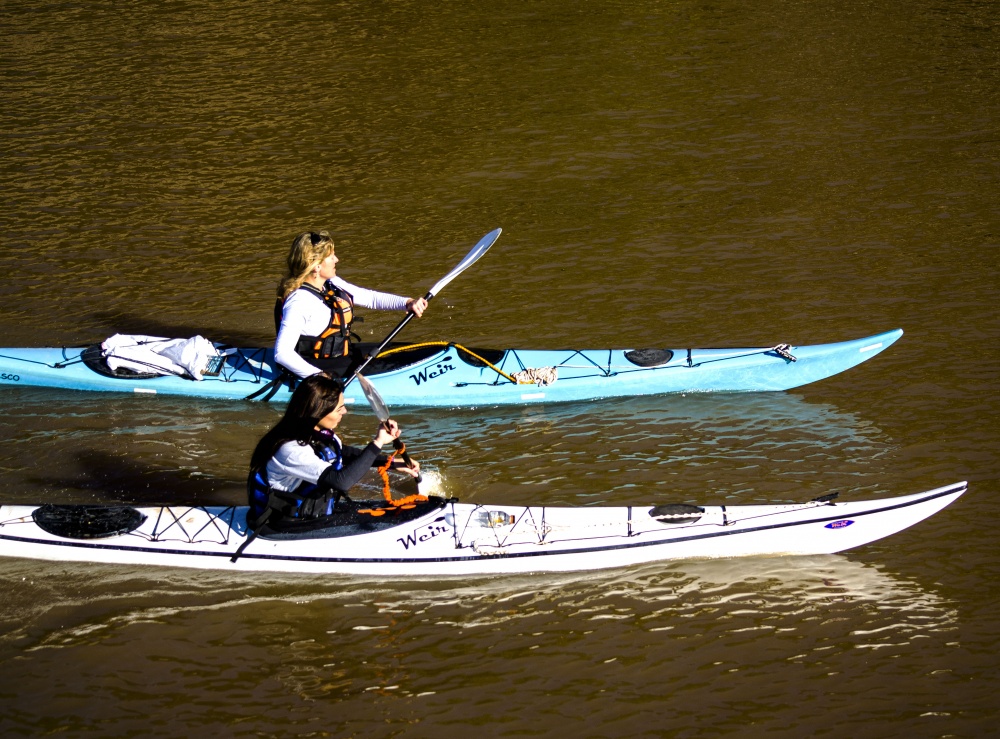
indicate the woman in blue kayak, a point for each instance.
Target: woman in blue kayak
{"x":315,"y":309}
{"x":300,"y":467}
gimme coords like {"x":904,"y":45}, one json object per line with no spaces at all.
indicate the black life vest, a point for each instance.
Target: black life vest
{"x":335,"y":340}
{"x":307,"y":501}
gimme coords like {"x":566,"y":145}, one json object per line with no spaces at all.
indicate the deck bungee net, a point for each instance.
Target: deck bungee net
{"x":678,"y":515}
{"x":639,"y":359}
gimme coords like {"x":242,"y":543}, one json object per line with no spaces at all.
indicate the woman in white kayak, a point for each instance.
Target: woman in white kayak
{"x":315,"y":308}
{"x":300,"y":467}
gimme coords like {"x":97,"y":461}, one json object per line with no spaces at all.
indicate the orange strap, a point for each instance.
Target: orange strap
{"x":409,"y":501}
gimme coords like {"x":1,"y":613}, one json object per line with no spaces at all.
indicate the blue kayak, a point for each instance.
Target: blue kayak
{"x":450,"y":375}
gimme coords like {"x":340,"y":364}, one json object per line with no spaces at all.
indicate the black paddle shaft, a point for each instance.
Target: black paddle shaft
{"x":392,"y":335}
{"x":398,"y":445}
{"x":481,"y":247}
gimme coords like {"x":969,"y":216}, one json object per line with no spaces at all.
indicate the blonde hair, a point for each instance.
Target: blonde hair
{"x":308,"y":250}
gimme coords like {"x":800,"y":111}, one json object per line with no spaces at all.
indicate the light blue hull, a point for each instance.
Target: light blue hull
{"x":450,"y":378}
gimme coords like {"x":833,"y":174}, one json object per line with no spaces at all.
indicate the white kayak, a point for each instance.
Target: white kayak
{"x":443,"y":537}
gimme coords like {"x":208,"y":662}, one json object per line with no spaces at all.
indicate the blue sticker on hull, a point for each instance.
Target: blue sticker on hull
{"x":839,"y":524}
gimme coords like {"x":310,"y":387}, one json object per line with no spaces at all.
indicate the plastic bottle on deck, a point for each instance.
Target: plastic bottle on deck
{"x":495,"y":518}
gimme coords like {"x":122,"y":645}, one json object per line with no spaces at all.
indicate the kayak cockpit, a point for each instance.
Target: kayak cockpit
{"x":351,"y":518}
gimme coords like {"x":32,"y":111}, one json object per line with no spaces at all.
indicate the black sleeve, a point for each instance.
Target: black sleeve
{"x":350,"y":453}
{"x":356,"y":463}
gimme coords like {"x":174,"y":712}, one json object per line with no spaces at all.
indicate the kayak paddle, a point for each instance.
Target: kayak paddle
{"x":471,"y":258}
{"x":382,"y":411}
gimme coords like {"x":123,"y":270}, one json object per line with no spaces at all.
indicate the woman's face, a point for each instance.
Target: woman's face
{"x":328,"y":267}
{"x":330,"y":421}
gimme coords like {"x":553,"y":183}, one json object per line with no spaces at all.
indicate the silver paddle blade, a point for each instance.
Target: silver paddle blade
{"x":374,"y":399}
{"x":477,"y":251}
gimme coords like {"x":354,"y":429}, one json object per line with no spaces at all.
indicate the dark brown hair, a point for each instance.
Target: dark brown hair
{"x":313,"y":399}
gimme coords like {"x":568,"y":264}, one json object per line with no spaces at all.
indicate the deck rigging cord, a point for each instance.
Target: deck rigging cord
{"x":544,"y":376}
{"x":459,"y":347}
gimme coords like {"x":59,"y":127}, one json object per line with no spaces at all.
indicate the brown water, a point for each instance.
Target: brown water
{"x":682,"y":174}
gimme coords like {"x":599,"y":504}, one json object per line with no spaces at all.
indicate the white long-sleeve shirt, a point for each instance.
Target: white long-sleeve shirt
{"x":294,"y":463}
{"x":305,"y":314}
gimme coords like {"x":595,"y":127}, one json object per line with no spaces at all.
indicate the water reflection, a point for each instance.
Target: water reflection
{"x":55,"y":606}
{"x":749,"y":414}
{"x":135,"y":449}
{"x":751,"y":446}
{"x":761,"y":447}
{"x":352,"y":654}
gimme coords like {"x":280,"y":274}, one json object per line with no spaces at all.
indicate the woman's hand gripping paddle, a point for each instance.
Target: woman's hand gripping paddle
{"x":382,"y":412}
{"x":471,"y":258}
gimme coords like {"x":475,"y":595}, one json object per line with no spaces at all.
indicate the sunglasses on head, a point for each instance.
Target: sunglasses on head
{"x":316,"y":238}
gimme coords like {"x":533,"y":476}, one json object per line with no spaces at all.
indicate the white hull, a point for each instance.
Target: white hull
{"x":452,"y":540}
